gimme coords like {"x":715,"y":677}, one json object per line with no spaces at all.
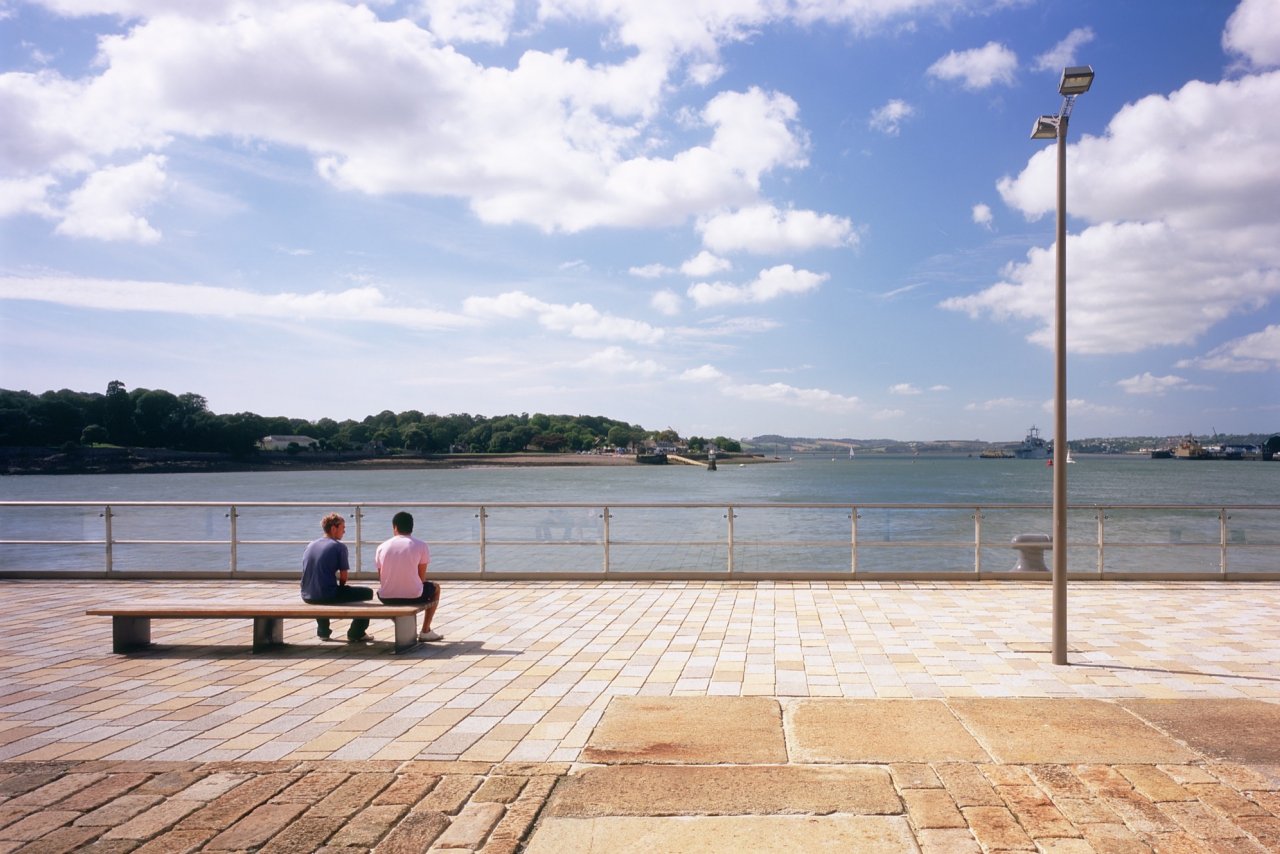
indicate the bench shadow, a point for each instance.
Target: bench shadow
{"x":457,"y":649}
{"x":336,"y":649}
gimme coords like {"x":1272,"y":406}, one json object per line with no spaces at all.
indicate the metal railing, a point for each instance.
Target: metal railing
{"x":748,"y":541}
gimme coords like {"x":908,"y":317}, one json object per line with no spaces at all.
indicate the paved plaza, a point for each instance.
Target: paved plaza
{"x":653,"y":716}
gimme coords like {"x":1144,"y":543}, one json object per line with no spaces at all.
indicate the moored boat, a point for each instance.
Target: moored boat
{"x":1190,"y":449}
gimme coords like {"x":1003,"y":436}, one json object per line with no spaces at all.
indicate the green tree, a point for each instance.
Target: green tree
{"x":621,"y":436}
{"x":732,"y":446}
{"x":154,"y":415}
{"x":414,"y":437}
{"x":118,"y":415}
{"x":94,"y":434}
{"x":56,"y":421}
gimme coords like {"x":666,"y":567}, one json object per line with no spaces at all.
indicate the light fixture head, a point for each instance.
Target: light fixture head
{"x":1076,"y":80}
{"x":1046,"y":127}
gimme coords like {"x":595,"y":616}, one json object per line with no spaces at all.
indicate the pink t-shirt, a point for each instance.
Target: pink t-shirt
{"x":397,"y":560}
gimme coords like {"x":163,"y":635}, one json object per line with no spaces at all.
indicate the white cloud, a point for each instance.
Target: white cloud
{"x":1185,"y":225}
{"x":1149,"y":384}
{"x":764,"y":229}
{"x":106,"y":204}
{"x":702,"y":374}
{"x":470,"y":20}
{"x":770,"y":284}
{"x":364,"y":304}
{"x":979,"y":68}
{"x":888,"y":414}
{"x":705,"y":264}
{"x":992,"y":405}
{"x":386,"y":107}
{"x":26,"y":195}
{"x":889,"y":118}
{"x":807,"y":398}
{"x":579,"y":320}
{"x":650,"y":271}
{"x":1257,"y":352}
{"x":615,"y":360}
{"x":1253,"y":31}
{"x":982,"y":215}
{"x":667,"y":302}
{"x":1063,"y":54}
{"x":904,"y":389}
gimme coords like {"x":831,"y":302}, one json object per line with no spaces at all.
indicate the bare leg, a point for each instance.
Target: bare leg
{"x":430,"y":613}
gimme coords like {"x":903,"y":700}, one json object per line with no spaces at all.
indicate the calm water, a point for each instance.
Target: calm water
{"x":1092,"y":480}
{"x":665,"y":538}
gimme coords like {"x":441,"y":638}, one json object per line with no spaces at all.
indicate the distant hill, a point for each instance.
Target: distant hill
{"x":776,"y":445}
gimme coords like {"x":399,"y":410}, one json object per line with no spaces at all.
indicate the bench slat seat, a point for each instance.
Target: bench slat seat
{"x":131,"y":621}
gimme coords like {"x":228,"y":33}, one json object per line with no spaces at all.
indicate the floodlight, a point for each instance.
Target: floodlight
{"x":1076,"y":80}
{"x":1046,"y":127}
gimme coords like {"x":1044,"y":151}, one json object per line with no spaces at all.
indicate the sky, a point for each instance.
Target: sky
{"x":820,"y":218}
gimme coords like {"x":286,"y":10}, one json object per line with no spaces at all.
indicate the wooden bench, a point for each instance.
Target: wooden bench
{"x":131,"y":621}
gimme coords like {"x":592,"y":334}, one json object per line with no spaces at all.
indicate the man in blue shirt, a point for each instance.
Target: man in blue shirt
{"x":324,"y":578}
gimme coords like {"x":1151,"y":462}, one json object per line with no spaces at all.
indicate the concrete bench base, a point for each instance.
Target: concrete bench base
{"x":131,"y":622}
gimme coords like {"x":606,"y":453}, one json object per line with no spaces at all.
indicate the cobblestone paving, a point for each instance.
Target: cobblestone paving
{"x":477,"y":744}
{"x":948,"y":807}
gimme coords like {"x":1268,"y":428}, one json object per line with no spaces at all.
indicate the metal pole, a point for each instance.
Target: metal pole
{"x":1060,"y":413}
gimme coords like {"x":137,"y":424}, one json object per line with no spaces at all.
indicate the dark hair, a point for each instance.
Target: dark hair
{"x":403,"y":522}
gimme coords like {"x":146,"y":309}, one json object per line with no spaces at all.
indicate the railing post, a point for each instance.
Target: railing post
{"x":106,"y":525}
{"x":977,"y":541}
{"x":482,"y":515}
{"x":359,"y":520}
{"x":232,"y":515}
{"x":1222,"y":539}
{"x":607,"y":517}
{"x":729,"y":516}
{"x":1102,"y":540}
{"x":853,"y":541}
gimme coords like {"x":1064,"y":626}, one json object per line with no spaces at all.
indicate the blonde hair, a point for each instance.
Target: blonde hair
{"x":331,"y":521}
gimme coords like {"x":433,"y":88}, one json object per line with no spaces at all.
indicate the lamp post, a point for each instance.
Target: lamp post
{"x":1076,"y":80}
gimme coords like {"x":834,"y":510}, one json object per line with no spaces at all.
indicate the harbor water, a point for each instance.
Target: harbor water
{"x":668,"y":534}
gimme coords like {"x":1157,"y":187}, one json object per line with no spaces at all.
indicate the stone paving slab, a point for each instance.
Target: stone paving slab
{"x":878,"y":731}
{"x":870,"y":834}
{"x":655,"y":790}
{"x":1034,"y":731}
{"x":690,"y":730}
{"x":1240,"y":731}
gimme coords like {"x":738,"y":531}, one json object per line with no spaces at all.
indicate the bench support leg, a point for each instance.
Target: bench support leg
{"x":267,"y":632}
{"x":406,"y":632}
{"x":130,"y":633}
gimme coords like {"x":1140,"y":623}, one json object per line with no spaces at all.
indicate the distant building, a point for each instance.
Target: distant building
{"x":282,"y":443}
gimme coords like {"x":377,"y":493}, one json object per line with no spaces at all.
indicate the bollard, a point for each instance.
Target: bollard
{"x":1031,"y":549}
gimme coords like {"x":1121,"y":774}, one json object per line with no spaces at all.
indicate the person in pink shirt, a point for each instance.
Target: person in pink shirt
{"x":402,"y":573}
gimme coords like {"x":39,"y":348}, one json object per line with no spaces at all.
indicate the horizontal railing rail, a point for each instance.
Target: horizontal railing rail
{"x":673,"y":540}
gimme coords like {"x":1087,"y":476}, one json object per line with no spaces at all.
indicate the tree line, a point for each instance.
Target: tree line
{"x":155,"y":418}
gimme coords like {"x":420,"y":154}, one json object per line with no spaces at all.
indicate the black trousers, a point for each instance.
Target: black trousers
{"x":344,"y":594}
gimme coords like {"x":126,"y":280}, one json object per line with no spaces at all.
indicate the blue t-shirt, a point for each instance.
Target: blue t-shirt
{"x":321,"y":562}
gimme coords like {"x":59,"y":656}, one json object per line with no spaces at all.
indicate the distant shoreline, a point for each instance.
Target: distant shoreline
{"x":28,"y":460}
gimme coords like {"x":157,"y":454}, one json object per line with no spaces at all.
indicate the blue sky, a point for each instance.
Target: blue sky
{"x":729,"y":217}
